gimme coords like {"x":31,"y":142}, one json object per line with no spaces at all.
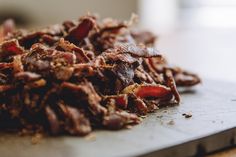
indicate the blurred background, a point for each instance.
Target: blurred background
{"x":198,"y":35}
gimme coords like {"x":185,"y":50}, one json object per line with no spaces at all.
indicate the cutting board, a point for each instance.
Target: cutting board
{"x":163,"y":133}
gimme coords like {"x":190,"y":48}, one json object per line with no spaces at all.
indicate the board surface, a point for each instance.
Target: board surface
{"x":165,"y":133}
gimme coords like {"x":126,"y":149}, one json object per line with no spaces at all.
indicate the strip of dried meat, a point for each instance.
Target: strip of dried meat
{"x":144,"y":37}
{"x":75,"y":121}
{"x":147,"y":90}
{"x":119,"y":120}
{"x":171,"y":83}
{"x":53,"y":120}
{"x":10,"y":48}
{"x":186,"y":79}
{"x":137,"y":50}
{"x":121,"y":100}
{"x":8,"y":27}
{"x":81,"y":57}
{"x":79,"y":32}
{"x":86,"y":92}
{"x":109,"y":33}
{"x":4,"y":88}
{"x":138,"y":106}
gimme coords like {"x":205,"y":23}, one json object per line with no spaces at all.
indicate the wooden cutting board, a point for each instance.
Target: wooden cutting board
{"x":165,"y":133}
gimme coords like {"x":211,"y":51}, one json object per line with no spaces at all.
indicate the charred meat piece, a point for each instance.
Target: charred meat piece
{"x":119,"y":119}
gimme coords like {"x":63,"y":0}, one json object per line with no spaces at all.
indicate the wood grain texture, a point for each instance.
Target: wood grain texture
{"x":165,"y":133}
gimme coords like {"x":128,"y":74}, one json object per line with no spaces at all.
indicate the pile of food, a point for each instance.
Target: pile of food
{"x":83,"y":75}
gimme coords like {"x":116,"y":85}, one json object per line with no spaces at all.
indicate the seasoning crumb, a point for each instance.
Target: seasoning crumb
{"x":36,"y":138}
{"x":171,"y":122}
{"x":129,"y":127}
{"x":164,"y":111}
{"x":187,"y":115}
{"x":143,"y":116}
{"x":90,"y":137}
{"x":159,"y":116}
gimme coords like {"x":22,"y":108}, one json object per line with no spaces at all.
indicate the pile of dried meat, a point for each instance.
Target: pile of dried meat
{"x":82,"y":75}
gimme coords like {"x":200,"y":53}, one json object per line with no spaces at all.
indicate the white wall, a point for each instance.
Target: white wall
{"x":158,"y":15}
{"x":200,"y":38}
{"x":44,"y":12}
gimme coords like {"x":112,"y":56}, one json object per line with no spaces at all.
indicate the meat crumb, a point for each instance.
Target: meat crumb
{"x":143,"y":116}
{"x":129,"y":127}
{"x":187,"y":115}
{"x":90,"y":137}
{"x":36,"y":138}
{"x":171,"y":122}
{"x":159,"y":116}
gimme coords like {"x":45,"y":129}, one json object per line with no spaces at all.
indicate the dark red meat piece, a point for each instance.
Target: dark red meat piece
{"x":79,"y":32}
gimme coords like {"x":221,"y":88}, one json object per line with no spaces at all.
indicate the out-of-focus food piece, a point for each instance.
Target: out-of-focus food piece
{"x":6,"y":28}
{"x":144,"y":37}
{"x":1,"y":34}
